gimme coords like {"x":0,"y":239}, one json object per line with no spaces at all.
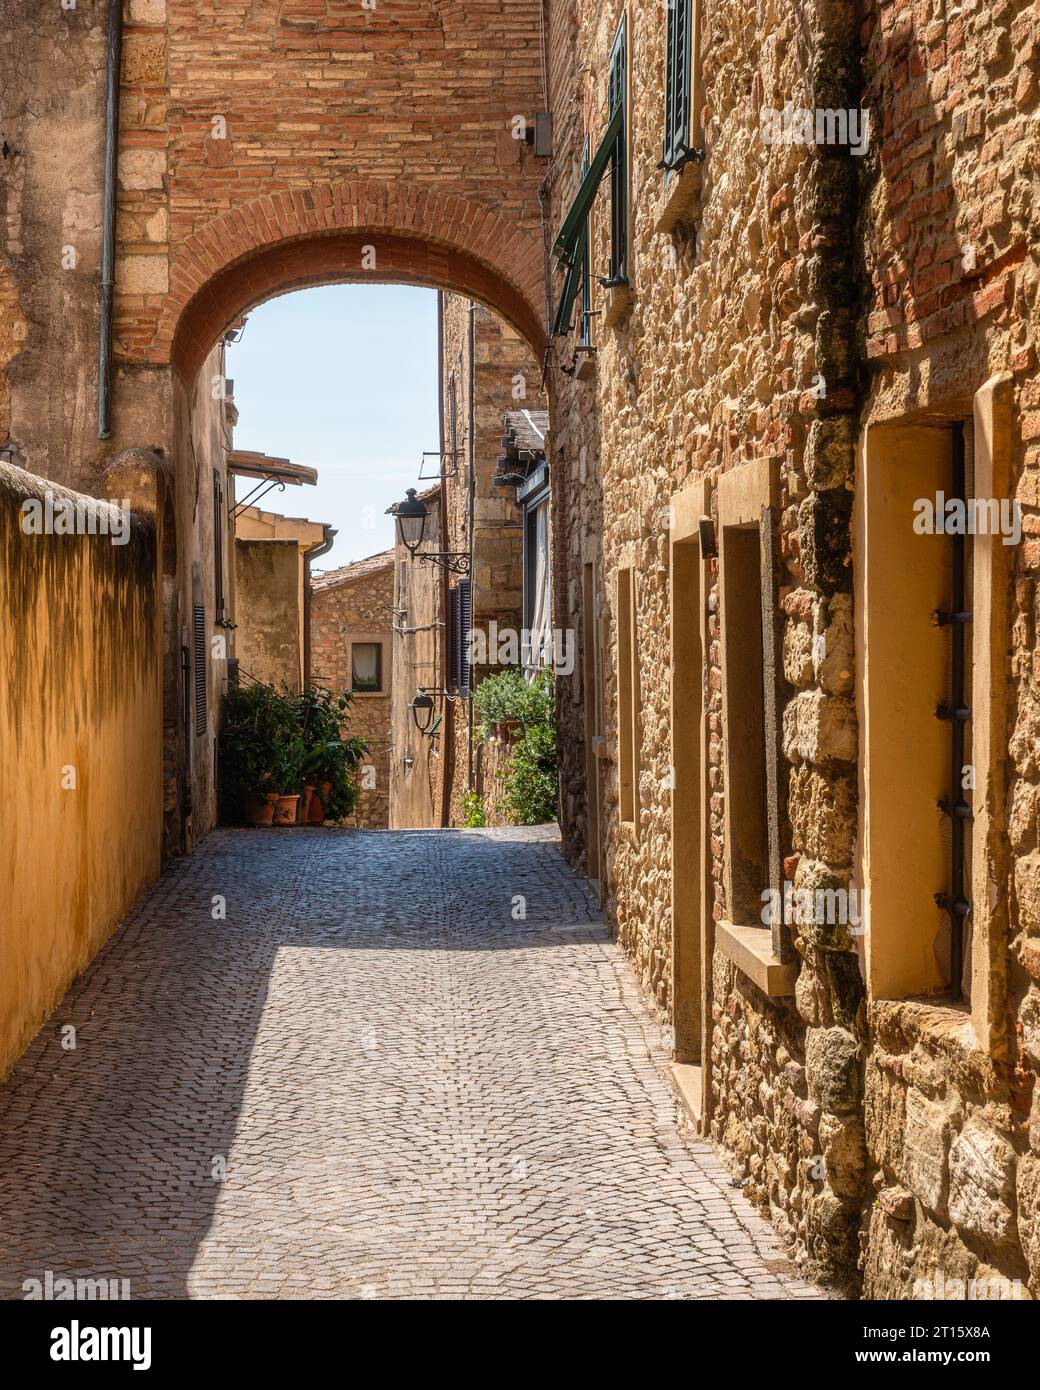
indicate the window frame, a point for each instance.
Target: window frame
{"x":381,"y":665}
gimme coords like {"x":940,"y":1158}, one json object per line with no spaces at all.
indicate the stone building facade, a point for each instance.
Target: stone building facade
{"x":487,"y":370}
{"x":813,"y":330}
{"x":351,"y":617}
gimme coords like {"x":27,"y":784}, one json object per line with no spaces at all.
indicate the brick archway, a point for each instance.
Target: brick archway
{"x":288,"y":240}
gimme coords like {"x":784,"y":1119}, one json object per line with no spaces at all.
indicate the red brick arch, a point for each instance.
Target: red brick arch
{"x":314,"y":235}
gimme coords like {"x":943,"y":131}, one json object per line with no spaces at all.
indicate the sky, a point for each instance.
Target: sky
{"x":342,"y":378}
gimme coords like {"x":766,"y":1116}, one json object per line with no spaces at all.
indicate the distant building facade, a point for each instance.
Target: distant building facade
{"x":351,"y":649}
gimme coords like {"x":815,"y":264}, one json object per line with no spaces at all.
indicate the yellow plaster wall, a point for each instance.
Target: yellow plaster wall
{"x":79,"y":693}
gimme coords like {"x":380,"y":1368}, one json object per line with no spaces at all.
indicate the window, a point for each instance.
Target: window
{"x":934,"y":538}
{"x":366,"y":667}
{"x":592,"y":690}
{"x":745,"y":727}
{"x":678,"y":83}
{"x":617,"y":102}
{"x":628,"y":696}
{"x":751,"y":853}
{"x":537,"y":597}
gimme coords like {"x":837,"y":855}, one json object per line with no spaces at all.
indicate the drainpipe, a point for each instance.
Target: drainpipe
{"x":448,"y":743}
{"x":108,"y":224}
{"x":472,"y":521}
{"x":322,"y":548}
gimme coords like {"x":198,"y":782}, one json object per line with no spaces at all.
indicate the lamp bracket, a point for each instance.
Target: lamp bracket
{"x":456,"y":561}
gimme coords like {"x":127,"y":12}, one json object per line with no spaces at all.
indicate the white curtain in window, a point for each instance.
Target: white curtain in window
{"x":365,"y":658}
{"x":541,"y":603}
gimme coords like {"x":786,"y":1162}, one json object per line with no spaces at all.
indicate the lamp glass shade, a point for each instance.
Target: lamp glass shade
{"x":411,"y":520}
{"x":422,"y":710}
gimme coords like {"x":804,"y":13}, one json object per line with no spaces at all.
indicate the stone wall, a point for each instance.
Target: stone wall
{"x":355,"y":602}
{"x":759,"y":329}
{"x":269,"y":636}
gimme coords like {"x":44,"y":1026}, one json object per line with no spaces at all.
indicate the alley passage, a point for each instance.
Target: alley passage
{"x":367,"y":1080}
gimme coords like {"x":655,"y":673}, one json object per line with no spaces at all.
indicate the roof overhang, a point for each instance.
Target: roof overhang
{"x":243,"y":463}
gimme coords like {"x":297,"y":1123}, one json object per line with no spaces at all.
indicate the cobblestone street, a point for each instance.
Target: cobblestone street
{"x":368,"y":1080}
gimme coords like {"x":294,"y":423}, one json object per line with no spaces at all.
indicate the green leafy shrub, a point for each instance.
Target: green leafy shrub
{"x":473,"y":811}
{"x":531,"y":774}
{"x":532,"y":777}
{"x":509,"y":696}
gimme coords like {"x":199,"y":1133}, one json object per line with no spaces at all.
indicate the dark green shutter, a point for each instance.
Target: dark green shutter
{"x":678,"y":82}
{"x":616,"y":101}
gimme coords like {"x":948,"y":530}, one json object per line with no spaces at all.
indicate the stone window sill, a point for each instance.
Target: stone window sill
{"x":940,"y":1024}
{"x":751,"y":951}
{"x":618,"y":301}
{"x":678,"y":197}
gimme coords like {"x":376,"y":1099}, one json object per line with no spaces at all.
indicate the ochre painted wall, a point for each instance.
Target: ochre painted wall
{"x":79,"y":695}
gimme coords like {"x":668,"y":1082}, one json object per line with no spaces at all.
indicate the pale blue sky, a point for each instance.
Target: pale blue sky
{"x":342,"y":378}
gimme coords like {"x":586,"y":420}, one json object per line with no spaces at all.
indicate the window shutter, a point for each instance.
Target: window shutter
{"x":199,"y":634}
{"x":678,"y":81}
{"x":453,"y":663}
{"x":616,"y":101}
{"x":465,"y":624}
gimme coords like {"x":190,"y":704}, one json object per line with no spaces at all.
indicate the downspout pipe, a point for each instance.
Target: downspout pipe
{"x":108,"y":223}
{"x":322,"y":548}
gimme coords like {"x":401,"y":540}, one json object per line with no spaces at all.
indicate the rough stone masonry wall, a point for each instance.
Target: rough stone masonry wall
{"x":732,"y":316}
{"x":360,"y":608}
{"x":713,"y":367}
{"x":952,"y":251}
{"x":505,"y":376}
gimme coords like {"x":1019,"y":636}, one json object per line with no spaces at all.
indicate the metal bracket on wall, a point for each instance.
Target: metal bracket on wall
{"x":456,"y":561}
{"x":263,"y":487}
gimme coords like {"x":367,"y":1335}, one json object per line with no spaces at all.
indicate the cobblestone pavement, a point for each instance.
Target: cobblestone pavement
{"x":368,"y":1080}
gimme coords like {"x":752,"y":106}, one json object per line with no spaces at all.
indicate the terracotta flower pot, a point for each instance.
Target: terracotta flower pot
{"x":260,"y":808}
{"x":305,"y":807}
{"x":285,"y":811}
{"x":316,"y":810}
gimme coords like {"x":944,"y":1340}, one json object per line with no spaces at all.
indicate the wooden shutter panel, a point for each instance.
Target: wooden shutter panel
{"x":453,"y":639}
{"x":678,"y":80}
{"x":199,"y":634}
{"x":465,"y":624}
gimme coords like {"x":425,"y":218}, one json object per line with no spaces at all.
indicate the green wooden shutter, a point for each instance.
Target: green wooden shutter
{"x":678,"y":82}
{"x":616,"y":101}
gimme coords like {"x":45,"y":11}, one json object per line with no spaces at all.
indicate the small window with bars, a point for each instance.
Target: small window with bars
{"x":953,"y":945}
{"x":200,"y":664}
{"x":678,"y":83}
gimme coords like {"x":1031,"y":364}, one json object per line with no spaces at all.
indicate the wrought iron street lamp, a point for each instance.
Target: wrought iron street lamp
{"x":412,"y":515}
{"x":411,"y":520}
{"x":422,"y":710}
